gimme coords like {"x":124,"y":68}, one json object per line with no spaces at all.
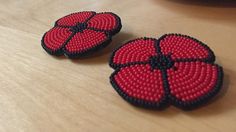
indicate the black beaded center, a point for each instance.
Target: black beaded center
{"x":161,"y":62}
{"x":79,"y":27}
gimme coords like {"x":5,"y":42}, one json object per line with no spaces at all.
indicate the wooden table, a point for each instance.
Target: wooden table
{"x":39,"y":92}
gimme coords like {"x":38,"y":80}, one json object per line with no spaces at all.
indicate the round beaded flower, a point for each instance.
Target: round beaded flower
{"x":80,"y":33}
{"x":175,"y":69}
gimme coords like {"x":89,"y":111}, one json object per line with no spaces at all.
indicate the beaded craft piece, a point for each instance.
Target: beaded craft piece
{"x":175,"y":69}
{"x":80,"y":33}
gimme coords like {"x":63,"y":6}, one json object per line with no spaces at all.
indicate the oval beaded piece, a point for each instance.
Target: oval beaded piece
{"x":188,"y":86}
{"x":104,"y":21}
{"x":186,"y":48}
{"x":54,"y":39}
{"x":140,"y":84}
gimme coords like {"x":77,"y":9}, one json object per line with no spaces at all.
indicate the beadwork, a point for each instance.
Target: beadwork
{"x":175,"y":69}
{"x":81,"y":33}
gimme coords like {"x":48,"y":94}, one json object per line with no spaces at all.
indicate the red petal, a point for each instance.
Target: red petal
{"x":105,"y":22}
{"x":135,"y":51}
{"x":139,"y":85}
{"x":74,"y":18}
{"x":182,"y":47}
{"x":84,"y":41}
{"x":54,"y":39}
{"x":193,"y":83}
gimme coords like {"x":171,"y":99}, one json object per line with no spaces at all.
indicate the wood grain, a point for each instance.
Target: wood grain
{"x":41,"y":93}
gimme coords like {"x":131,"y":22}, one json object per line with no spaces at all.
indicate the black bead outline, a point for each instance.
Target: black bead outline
{"x":168,"y":97}
{"x":108,"y":33}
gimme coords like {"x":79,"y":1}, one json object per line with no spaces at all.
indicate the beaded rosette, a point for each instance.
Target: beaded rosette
{"x":175,"y":69}
{"x":81,"y":33}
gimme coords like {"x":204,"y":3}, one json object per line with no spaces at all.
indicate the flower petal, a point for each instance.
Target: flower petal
{"x":194,"y":83}
{"x":140,"y":85}
{"x":185,"y":48}
{"x":54,"y":39}
{"x":106,"y":21}
{"x":74,"y":18}
{"x":83,"y":42}
{"x":132,"y":52}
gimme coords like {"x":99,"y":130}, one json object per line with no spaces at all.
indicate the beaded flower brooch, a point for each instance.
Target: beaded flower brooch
{"x":81,"y":33}
{"x":175,"y":69}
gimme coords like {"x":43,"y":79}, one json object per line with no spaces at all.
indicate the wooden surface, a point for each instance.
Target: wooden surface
{"x":41,"y":93}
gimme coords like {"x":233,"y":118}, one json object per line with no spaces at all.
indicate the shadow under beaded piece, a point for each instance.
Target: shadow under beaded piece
{"x":175,"y":69}
{"x":81,"y":33}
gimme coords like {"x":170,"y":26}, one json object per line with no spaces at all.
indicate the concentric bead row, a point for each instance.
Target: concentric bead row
{"x":85,"y":40}
{"x":192,"y":80}
{"x":140,"y":82}
{"x":136,"y":51}
{"x":75,"y":18}
{"x":182,"y":47}
{"x":56,"y":37}
{"x":104,"y":21}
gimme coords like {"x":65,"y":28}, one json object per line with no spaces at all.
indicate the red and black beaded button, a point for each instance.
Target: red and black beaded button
{"x":175,"y":69}
{"x":81,"y":33}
